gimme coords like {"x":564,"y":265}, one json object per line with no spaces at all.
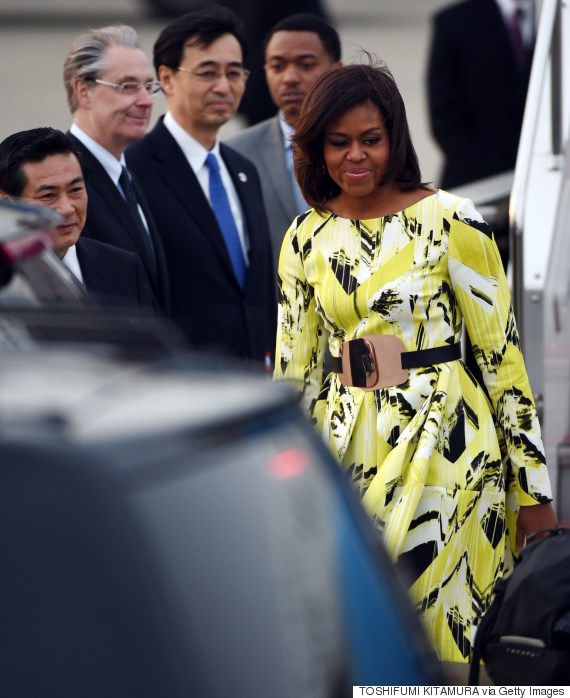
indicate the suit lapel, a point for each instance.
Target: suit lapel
{"x":276,"y":170}
{"x":98,"y":178}
{"x":175,"y":170}
{"x":92,"y":270}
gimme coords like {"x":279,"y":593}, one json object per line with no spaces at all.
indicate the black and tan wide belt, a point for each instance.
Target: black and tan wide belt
{"x":377,"y":361}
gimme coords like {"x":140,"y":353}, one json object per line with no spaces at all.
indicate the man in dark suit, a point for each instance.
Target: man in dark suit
{"x":40,"y":166}
{"x":478,"y":75}
{"x":477,"y":83}
{"x":109,"y":85}
{"x":206,"y":198}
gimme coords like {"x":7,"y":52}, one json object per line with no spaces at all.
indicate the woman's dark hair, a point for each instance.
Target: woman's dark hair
{"x":334,"y":93}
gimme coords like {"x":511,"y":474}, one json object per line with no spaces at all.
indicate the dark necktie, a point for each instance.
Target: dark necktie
{"x":221,"y":207}
{"x":515,"y":32}
{"x":132,"y":204}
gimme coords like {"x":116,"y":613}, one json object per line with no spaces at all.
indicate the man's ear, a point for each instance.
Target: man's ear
{"x":81,"y":91}
{"x":165,"y":75}
{"x":5,"y":196}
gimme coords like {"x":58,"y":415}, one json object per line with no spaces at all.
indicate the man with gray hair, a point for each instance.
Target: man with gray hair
{"x":110,"y":88}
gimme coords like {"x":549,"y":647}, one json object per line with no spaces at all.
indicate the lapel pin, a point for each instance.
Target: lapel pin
{"x":242,"y":176}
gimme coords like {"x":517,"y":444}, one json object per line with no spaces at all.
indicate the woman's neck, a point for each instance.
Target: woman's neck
{"x":388,"y":199}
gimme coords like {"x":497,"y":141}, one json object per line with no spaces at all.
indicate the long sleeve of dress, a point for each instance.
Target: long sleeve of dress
{"x":479,"y":283}
{"x":301,"y":339}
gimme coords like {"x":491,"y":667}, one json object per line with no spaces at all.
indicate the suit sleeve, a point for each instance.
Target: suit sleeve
{"x":480,"y":285}
{"x":146,"y":298}
{"x":256,"y":217}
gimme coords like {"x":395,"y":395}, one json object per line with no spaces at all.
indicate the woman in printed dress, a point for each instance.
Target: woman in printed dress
{"x":452,"y":473}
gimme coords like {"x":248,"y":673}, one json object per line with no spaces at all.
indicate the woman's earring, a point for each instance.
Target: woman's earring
{"x":324,"y":169}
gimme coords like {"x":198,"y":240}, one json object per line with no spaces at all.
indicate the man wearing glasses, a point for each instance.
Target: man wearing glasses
{"x":206,"y":198}
{"x":110,"y":88}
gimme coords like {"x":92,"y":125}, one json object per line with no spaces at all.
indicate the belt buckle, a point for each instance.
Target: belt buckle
{"x":373,"y":362}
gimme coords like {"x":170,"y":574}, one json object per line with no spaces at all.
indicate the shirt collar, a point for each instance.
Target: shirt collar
{"x":507,"y":7}
{"x":194,"y":151}
{"x":72,"y":262}
{"x":111,"y":165}
{"x":287,"y":130}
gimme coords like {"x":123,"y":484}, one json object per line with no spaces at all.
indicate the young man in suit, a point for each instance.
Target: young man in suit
{"x":205,"y":197}
{"x":110,"y":87}
{"x":41,"y":166}
{"x":297,"y":51}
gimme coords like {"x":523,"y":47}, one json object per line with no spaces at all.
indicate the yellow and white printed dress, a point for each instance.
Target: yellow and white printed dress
{"x":441,"y":471}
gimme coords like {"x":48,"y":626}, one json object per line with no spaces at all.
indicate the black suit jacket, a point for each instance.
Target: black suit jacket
{"x":476,"y":92}
{"x":113,"y":277}
{"x":207,"y":301}
{"x":109,"y":221}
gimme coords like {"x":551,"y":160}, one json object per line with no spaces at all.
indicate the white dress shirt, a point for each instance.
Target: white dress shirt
{"x":508,"y":7}
{"x":72,"y":263}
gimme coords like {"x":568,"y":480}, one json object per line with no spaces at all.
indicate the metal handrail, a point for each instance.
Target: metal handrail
{"x":548,"y":48}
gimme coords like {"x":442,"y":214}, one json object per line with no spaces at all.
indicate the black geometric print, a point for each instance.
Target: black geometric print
{"x":405,"y":408}
{"x":367,"y":237}
{"x":394,"y":436}
{"x":342,"y":269}
{"x":385,"y":303}
{"x":493,"y":525}
{"x":417,"y":560}
{"x":455,"y":445}
{"x":511,"y":332}
{"x":479,"y":225}
{"x":457,"y":624}
{"x":477,"y":293}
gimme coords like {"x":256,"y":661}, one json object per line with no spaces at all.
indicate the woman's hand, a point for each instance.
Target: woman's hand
{"x":534,"y":518}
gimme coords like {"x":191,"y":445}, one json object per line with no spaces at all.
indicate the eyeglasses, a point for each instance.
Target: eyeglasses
{"x":152,"y":87}
{"x":234,"y":75}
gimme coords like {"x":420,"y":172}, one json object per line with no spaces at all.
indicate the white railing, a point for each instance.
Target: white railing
{"x":539,"y":215}
{"x":546,"y":71}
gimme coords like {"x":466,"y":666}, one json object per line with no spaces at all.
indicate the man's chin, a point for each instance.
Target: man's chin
{"x":64,"y":243}
{"x":136,"y":135}
{"x":291,"y":114}
{"x":217,"y":120}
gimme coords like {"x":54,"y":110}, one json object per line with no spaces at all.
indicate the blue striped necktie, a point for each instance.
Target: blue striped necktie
{"x":222,"y":211}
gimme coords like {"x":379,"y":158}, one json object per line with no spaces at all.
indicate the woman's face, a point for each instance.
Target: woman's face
{"x":357,"y":150}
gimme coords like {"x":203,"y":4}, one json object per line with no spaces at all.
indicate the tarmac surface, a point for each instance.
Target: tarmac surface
{"x":35,"y":36}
